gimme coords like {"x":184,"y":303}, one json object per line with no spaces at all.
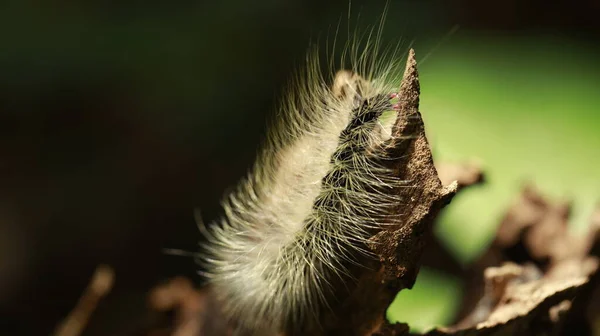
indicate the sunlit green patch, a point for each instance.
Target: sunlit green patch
{"x":433,"y":301}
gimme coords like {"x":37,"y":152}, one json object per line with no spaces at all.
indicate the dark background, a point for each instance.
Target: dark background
{"x":117,"y":119}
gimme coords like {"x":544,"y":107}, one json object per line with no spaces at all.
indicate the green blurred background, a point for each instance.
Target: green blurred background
{"x":118,"y":118}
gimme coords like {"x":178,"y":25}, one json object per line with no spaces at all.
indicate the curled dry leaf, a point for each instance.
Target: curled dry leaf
{"x":536,"y":297}
{"x":525,"y":306}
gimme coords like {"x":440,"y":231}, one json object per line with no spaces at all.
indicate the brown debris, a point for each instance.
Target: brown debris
{"x":192,"y":316}
{"x":180,"y":295}
{"x":465,"y":174}
{"x":528,"y":210}
{"x":540,"y":228}
{"x":99,"y":286}
{"x":551,"y":290}
{"x":525,"y":307}
{"x":187,"y":310}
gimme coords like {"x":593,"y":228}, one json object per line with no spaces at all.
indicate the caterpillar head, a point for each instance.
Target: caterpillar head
{"x":349,"y":85}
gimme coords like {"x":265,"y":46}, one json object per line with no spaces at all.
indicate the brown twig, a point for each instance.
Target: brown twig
{"x":99,"y":286}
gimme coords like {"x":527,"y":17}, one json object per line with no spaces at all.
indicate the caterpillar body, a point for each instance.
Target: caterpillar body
{"x":320,"y":185}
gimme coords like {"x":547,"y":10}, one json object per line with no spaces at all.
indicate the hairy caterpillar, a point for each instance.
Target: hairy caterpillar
{"x":299,"y":221}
